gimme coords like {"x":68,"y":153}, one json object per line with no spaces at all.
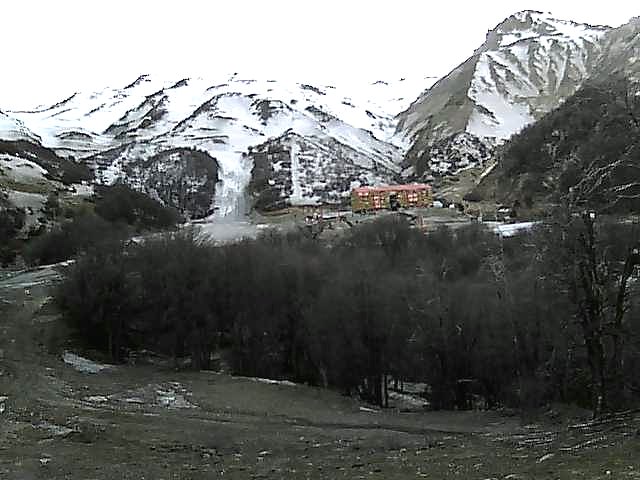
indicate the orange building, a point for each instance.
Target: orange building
{"x":392,"y":197}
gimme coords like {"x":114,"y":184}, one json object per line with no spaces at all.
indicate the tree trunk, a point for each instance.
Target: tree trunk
{"x":386,"y":390}
{"x":592,"y":313}
{"x":617,"y":393}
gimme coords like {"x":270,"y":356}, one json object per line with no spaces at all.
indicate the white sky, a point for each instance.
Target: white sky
{"x":51,"y":48}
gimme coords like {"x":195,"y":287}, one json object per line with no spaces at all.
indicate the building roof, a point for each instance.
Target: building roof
{"x":393,"y":188}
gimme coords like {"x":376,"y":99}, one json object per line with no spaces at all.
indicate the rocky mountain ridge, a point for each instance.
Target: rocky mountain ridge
{"x":529,"y":64}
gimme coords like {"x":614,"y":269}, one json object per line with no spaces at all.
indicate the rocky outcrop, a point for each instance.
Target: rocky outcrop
{"x":304,"y":170}
{"x":182,"y":178}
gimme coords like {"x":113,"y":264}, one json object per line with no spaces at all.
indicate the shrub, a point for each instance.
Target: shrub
{"x":97,"y":296}
{"x":70,"y":238}
{"x":11,"y":223}
{"x":119,"y":203}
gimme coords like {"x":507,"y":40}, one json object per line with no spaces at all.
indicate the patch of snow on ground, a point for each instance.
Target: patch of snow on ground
{"x":96,"y":399}
{"x":486,"y":172}
{"x":369,"y":410}
{"x":498,"y":118}
{"x":296,"y":189}
{"x":285,"y":383}
{"x":173,"y":395}
{"x":511,"y":229}
{"x":225,"y":231}
{"x":82,"y":190}
{"x":268,"y":381}
{"x":235,"y":175}
{"x":406,"y":400}
{"x":84,"y":364}
{"x":170,"y":395}
{"x":55,"y":430}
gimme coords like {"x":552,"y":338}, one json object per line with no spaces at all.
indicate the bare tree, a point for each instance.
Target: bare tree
{"x":599,"y":288}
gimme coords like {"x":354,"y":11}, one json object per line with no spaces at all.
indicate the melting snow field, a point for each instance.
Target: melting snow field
{"x":84,"y":365}
{"x":511,"y":229}
{"x":235,"y":175}
{"x":285,"y":383}
{"x":223,"y":230}
{"x":171,"y":395}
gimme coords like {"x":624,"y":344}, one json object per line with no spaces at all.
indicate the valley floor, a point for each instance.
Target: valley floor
{"x":141,"y":421}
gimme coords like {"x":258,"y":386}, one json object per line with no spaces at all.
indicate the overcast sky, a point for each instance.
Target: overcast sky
{"x":51,"y":48}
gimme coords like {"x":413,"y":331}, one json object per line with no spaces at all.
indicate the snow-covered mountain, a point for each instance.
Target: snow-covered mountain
{"x":288,"y":142}
{"x":526,"y":67}
{"x":119,"y":131}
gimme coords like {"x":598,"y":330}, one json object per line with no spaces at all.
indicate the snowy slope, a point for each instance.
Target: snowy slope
{"x":12,"y":129}
{"x":536,"y":63}
{"x":223,"y":117}
{"x":527,"y":66}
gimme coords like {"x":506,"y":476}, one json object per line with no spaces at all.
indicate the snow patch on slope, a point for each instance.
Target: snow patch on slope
{"x":13,"y":129}
{"x":538,"y":61}
{"x":84,"y":365}
{"x":495,"y":114}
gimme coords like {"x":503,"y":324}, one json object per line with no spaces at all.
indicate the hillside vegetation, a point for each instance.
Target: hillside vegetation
{"x":589,"y":146}
{"x":469,"y":314}
{"x":116,"y":213}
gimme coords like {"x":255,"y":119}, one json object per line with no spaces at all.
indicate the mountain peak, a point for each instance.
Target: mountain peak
{"x":529,"y":63}
{"x":529,"y":18}
{"x":532,"y":24}
{"x":141,"y":79}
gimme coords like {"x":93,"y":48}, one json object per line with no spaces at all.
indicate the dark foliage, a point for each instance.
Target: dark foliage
{"x":119,"y":211}
{"x":119,"y":203}
{"x":183,"y":178}
{"x":592,"y":140}
{"x":71,"y":237}
{"x":480,"y":319}
{"x":97,"y":296}
{"x":11,"y":223}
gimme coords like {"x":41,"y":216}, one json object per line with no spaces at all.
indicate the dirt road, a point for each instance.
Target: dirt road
{"x":150,"y":422}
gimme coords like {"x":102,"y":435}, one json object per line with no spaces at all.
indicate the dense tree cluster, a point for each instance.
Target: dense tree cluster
{"x":11,"y":222}
{"x":594,"y":137}
{"x":119,"y":211}
{"x":474,"y":316}
{"x":119,"y":203}
{"x":70,"y":237}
